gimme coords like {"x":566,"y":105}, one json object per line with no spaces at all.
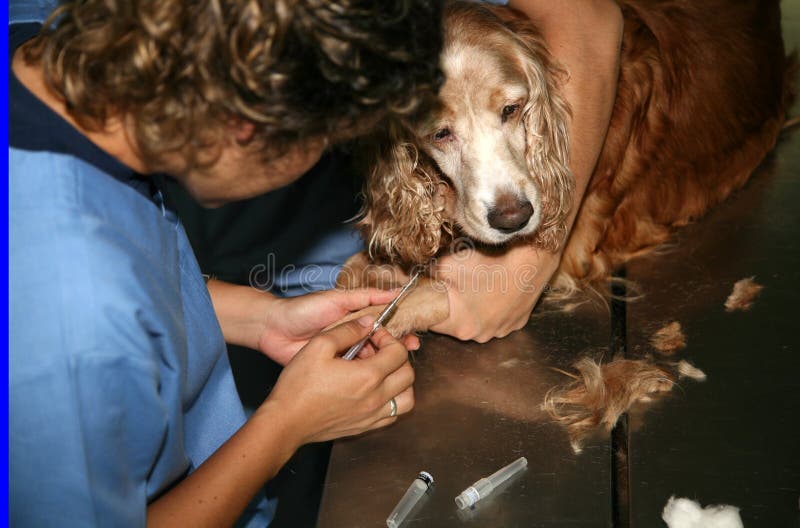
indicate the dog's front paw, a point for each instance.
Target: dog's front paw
{"x":425,"y":306}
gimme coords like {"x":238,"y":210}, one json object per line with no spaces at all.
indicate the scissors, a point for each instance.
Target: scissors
{"x":382,"y":317}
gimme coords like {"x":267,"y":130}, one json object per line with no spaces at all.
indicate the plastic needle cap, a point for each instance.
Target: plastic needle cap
{"x":410,"y":499}
{"x":486,"y":485}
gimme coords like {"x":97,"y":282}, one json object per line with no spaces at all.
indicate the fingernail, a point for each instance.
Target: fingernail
{"x":366,"y":320}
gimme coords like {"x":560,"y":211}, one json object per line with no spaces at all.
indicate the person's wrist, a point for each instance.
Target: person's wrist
{"x":531,"y":268}
{"x":243,"y":311}
{"x":285,"y":417}
{"x":277,"y":432}
{"x":263,"y":306}
{"x":460,"y":322}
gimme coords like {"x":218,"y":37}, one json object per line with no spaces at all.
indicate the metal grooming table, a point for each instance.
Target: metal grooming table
{"x":732,"y":439}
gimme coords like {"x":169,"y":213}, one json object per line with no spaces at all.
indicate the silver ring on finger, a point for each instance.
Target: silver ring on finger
{"x":392,"y":408}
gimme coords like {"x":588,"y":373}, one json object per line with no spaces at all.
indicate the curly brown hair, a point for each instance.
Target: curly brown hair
{"x":294,"y":68}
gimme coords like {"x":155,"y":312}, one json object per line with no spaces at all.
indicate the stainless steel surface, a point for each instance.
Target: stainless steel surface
{"x":477,"y":408}
{"x":733,"y":439}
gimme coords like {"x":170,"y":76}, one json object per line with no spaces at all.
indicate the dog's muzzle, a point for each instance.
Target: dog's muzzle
{"x":509,"y":213}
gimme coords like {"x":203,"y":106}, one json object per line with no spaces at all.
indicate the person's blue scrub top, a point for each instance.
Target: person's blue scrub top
{"x":119,"y":382}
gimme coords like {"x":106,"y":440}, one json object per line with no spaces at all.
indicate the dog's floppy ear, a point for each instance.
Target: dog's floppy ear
{"x":402,"y":220}
{"x":545,"y":117}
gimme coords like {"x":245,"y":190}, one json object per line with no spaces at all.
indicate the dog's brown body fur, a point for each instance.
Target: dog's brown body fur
{"x":703,"y":91}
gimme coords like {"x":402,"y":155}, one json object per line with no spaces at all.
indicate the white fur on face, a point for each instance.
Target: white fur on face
{"x":484,"y":155}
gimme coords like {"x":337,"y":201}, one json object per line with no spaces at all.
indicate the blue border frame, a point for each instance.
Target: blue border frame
{"x":5,"y":286}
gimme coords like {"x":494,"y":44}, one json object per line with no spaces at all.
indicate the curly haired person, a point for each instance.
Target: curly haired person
{"x":242,"y":242}
{"x":123,"y":410}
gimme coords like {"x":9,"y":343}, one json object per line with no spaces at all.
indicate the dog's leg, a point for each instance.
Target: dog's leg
{"x":426,"y":305}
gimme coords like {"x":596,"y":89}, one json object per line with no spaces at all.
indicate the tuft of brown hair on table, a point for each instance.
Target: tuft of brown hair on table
{"x":669,"y":339}
{"x":600,"y":393}
{"x":744,"y":293}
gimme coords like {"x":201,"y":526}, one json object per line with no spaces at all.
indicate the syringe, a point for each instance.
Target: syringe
{"x":412,"y":495}
{"x":486,"y":485}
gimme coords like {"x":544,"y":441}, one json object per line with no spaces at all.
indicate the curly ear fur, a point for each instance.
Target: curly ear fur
{"x":545,"y":116}
{"x":403,"y":217}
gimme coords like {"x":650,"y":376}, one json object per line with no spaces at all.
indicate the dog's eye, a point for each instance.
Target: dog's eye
{"x":509,"y":111}
{"x":441,"y":134}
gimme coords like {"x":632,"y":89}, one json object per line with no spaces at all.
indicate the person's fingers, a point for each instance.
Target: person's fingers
{"x":411,"y":341}
{"x":502,"y":331}
{"x":485,"y":337}
{"x":383,"y":416}
{"x":362,"y":428}
{"x":383,"y":338}
{"x":367,"y":351}
{"x":372,"y":311}
{"x":343,"y":336}
{"x":405,"y":401}
{"x":397,"y":382}
{"x":391,"y":353}
{"x":352,"y":300}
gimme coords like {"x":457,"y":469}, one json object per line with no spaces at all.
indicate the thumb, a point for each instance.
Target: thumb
{"x":335,"y":340}
{"x":354,"y":300}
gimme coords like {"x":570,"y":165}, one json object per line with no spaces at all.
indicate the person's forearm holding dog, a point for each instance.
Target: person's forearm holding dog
{"x":584,"y":37}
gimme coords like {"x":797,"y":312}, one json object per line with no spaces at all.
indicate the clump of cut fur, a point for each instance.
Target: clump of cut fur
{"x":687,"y":370}
{"x":600,"y":393}
{"x":669,"y":339}
{"x":744,"y":293}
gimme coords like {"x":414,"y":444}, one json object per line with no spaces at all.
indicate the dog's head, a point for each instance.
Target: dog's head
{"x":491,"y":159}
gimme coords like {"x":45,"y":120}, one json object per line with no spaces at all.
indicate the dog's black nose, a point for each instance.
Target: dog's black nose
{"x":509,"y":213}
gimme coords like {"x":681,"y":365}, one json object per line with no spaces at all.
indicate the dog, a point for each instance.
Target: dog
{"x":703,"y":90}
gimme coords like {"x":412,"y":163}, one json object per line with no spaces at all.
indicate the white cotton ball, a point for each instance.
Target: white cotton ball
{"x":685,"y":513}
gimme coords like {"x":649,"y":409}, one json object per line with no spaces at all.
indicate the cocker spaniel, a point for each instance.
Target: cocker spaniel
{"x":703,"y":90}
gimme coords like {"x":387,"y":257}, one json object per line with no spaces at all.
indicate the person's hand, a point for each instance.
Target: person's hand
{"x":324,"y":396}
{"x":319,"y":396}
{"x":492,"y":295}
{"x":291,"y":322}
